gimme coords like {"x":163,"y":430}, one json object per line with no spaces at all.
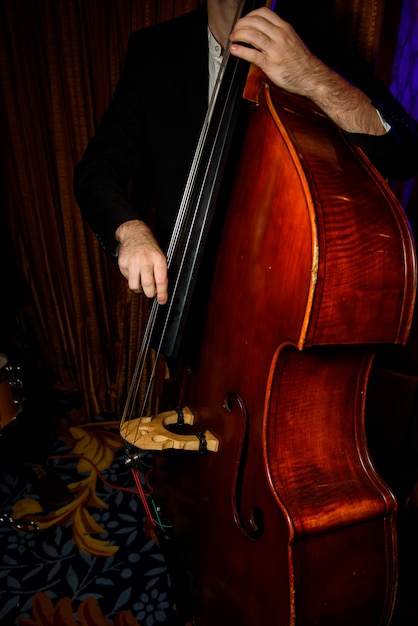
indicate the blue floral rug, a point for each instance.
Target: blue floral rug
{"x":89,"y":563}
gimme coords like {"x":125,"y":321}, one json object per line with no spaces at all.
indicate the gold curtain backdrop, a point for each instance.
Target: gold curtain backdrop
{"x":59,"y":64}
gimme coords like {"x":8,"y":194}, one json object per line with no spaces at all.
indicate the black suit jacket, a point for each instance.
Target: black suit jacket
{"x":154,"y":119}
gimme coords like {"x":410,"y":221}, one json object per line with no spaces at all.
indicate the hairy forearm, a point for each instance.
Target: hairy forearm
{"x":275,"y":47}
{"x":344,"y":103}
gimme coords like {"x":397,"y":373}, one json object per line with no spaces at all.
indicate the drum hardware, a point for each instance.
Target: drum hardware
{"x":23,"y":526}
{"x":10,"y":392}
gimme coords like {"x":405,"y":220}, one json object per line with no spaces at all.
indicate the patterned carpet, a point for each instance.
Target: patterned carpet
{"x":89,"y":563}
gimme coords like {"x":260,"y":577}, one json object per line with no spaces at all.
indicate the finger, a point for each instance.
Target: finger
{"x":134,"y":283}
{"x":132,"y":275}
{"x":257,"y":26}
{"x":250,"y":45}
{"x":147,"y":281}
{"x":162,"y":293}
{"x":264,"y":35}
{"x":247,"y":54}
{"x":161,"y":281}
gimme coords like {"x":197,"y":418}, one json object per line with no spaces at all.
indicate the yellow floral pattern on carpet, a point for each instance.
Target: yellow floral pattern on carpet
{"x":95,"y":444}
{"x":89,"y":614}
{"x":91,"y":562}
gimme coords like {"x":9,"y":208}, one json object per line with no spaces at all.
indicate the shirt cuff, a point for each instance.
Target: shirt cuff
{"x":385,"y":124}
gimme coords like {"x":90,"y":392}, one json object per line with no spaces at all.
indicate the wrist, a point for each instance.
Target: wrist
{"x":125,"y":230}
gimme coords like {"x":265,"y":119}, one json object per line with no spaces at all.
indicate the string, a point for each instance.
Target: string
{"x":154,"y":518}
{"x":186,"y":219}
{"x":177,"y":235}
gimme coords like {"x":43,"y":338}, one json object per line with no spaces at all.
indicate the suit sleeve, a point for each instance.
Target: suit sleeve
{"x":394,"y":154}
{"x":102,"y":177}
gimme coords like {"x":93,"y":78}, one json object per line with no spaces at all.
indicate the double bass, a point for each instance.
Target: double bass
{"x":270,"y":508}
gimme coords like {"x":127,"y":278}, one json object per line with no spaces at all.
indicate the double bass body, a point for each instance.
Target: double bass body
{"x":288,"y":523}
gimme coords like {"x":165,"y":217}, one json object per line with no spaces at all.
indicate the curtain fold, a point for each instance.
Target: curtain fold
{"x":360,"y":22}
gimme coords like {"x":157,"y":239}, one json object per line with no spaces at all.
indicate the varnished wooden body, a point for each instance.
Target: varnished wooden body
{"x":289,"y":524}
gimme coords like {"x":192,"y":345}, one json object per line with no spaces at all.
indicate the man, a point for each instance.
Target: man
{"x":156,"y":113}
{"x":154,"y":118}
